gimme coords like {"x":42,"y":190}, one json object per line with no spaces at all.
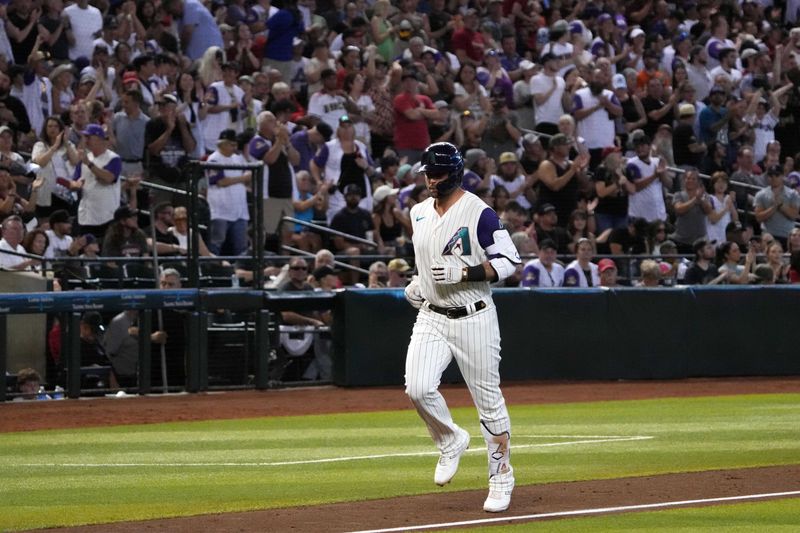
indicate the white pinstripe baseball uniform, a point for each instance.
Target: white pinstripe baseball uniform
{"x":471,"y":230}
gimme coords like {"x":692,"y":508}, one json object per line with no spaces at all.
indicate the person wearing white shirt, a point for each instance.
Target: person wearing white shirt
{"x":85,"y":22}
{"x":97,"y":177}
{"x":13,"y":231}
{"x":647,"y":175}
{"x":543,"y":271}
{"x":547,"y":89}
{"x":227,"y":198}
{"x":727,"y":69}
{"x":595,"y":109}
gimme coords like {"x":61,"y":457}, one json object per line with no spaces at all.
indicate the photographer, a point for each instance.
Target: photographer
{"x":501,"y":134}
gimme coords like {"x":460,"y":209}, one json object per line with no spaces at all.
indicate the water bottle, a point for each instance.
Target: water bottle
{"x":41,"y":395}
{"x":234,"y":281}
{"x":58,"y":393}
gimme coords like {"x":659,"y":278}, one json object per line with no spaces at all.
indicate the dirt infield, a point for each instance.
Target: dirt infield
{"x":27,"y":416}
{"x":444,"y":507}
{"x":462,"y":506}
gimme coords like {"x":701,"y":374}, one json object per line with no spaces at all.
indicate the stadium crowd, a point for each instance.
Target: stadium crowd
{"x":666,"y":130}
{"x":647,"y":142}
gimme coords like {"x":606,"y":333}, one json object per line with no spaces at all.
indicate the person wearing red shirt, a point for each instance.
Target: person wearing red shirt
{"x":411,"y":114}
{"x":468,"y":43}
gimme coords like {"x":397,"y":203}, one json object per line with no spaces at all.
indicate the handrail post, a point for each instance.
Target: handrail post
{"x":73,"y":355}
{"x":195,"y":174}
{"x":262,"y":345}
{"x":145,"y":350}
{"x":3,"y":352}
{"x":258,"y":273}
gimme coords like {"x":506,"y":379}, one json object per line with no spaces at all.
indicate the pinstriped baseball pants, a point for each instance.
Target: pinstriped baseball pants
{"x":474,"y":342}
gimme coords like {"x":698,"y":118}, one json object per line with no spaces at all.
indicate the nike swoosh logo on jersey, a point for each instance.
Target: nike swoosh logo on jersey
{"x":418,"y":219}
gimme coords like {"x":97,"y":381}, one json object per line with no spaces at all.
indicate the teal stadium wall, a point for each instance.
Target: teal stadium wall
{"x":581,"y":334}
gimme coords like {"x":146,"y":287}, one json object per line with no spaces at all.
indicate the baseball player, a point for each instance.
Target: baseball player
{"x":460,"y":247}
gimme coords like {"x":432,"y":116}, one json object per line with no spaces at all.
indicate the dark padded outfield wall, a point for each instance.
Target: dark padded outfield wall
{"x":630,"y":333}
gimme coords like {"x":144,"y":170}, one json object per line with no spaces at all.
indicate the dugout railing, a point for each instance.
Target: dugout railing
{"x":197,"y":306}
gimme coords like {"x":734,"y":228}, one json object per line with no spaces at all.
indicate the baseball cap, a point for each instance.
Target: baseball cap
{"x":398,"y":265}
{"x":686,"y":110}
{"x":345,"y":119}
{"x":606,"y":264}
{"x":167,"y":98}
{"x":93,"y":319}
{"x":228,"y":135}
{"x":549,"y":56}
{"x":560,"y":25}
{"x":4,"y":129}
{"x":89,"y":238}
{"x":323,"y":271}
{"x":619,"y":82}
{"x":324,"y":130}
{"x":718,"y":89}
{"x":383,"y":192}
{"x":403,"y":170}
{"x":669,"y":245}
{"x":546,"y":208}
{"x":352,"y":188}
{"x":439,"y":104}
{"x":59,"y":216}
{"x":472,"y":156}
{"x":508,"y":157}
{"x":548,"y":244}
{"x":526,"y":65}
{"x":96,"y":130}
{"x":775,"y":170}
{"x":129,"y":77}
{"x":124,"y":212}
{"x":734,"y":226}
{"x":637,"y":32}
{"x":558,"y":139}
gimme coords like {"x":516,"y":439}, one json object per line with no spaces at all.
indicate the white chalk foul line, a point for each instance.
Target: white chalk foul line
{"x":583,"y":512}
{"x":328,"y":460}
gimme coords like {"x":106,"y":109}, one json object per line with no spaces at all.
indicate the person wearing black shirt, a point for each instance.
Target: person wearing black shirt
{"x":12,"y":110}
{"x":703,"y":271}
{"x":546,"y":228}
{"x":686,"y":147}
{"x":657,"y":110}
{"x":168,"y":243}
{"x":532,"y":153}
{"x":167,"y":139}
{"x":272,"y":146}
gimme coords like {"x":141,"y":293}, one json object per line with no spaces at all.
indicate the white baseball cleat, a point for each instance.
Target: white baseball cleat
{"x":500,"y":488}
{"x":447,"y":466}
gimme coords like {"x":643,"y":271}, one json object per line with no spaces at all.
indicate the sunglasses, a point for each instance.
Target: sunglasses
{"x":298,"y":268}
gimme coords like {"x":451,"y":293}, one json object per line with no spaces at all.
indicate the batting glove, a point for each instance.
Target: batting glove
{"x":446,"y":274}
{"x":413,"y":294}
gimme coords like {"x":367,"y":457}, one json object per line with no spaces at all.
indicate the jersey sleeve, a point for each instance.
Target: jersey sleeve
{"x":530,"y":276}
{"x":494,"y":238}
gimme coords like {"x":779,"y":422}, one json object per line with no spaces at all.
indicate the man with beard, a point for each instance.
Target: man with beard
{"x":697,"y":72}
{"x":595,"y":109}
{"x":647,"y":175}
{"x":714,"y":118}
{"x":658,"y":110}
{"x":702,"y":271}
{"x":517,"y":184}
{"x":461,"y":247}
{"x":532,"y":153}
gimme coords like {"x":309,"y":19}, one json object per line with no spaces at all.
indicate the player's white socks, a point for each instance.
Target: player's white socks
{"x":498,"y":448}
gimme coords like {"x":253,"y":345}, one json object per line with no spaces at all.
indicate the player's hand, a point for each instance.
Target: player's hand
{"x":413,"y":294}
{"x":446,"y":274}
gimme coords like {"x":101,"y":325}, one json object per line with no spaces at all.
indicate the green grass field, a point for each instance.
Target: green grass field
{"x":72,"y":477}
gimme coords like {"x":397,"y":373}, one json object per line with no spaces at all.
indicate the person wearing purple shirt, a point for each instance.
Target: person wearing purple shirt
{"x":307,"y":142}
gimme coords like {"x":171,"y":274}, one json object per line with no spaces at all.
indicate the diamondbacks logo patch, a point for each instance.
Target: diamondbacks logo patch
{"x":459,"y":243}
